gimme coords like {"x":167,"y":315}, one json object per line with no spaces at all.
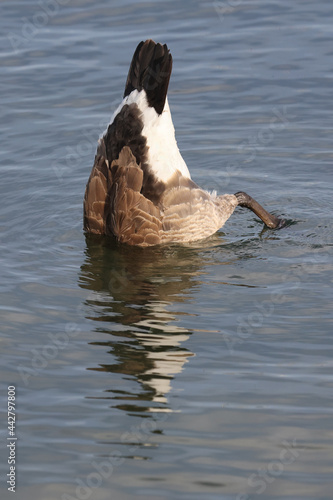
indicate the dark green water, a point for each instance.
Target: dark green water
{"x":180,"y":373}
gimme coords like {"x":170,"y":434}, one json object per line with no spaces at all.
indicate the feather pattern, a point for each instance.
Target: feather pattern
{"x":140,"y":189}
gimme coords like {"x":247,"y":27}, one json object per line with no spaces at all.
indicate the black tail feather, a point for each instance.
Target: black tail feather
{"x":150,"y":70}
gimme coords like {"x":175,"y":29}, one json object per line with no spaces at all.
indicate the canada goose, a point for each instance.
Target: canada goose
{"x":140,"y":189}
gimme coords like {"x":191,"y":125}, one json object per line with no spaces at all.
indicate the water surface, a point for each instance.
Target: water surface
{"x":202,"y":371}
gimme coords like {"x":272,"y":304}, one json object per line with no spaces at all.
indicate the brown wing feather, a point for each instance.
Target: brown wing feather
{"x":114,"y":205}
{"x":131,"y":217}
{"x":95,"y":197}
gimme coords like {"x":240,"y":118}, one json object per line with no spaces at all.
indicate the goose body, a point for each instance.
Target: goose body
{"x":140,"y":189}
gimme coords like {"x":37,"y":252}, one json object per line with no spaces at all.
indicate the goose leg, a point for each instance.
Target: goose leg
{"x":244,"y":200}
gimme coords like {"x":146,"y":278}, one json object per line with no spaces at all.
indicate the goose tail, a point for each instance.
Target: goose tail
{"x":150,"y":70}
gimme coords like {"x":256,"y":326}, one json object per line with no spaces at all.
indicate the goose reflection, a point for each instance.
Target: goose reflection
{"x":135,"y":292}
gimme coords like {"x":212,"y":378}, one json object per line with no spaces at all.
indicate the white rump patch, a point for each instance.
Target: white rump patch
{"x":164,"y":157}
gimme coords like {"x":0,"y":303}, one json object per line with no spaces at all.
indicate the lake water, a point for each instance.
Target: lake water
{"x":178,"y":373}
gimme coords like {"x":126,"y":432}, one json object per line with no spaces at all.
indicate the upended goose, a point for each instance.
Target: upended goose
{"x":140,"y":189}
